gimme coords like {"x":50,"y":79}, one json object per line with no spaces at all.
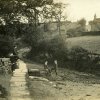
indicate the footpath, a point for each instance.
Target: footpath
{"x":18,"y":84}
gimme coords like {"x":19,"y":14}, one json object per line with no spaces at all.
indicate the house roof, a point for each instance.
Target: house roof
{"x":96,"y":20}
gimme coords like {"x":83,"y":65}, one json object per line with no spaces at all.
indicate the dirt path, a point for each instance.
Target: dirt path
{"x":18,"y":84}
{"x":68,"y":85}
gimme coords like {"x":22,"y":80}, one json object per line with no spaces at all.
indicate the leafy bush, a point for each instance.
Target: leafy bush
{"x":58,"y":49}
{"x":3,"y":91}
{"x":79,"y":59}
{"x":54,"y":48}
{"x":6,"y":45}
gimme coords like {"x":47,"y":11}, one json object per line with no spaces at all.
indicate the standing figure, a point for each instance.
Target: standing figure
{"x":46,"y":65}
{"x":15,"y":50}
{"x":13,"y":59}
{"x":46,"y":68}
{"x":55,"y":66}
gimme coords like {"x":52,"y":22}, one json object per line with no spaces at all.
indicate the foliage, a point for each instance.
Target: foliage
{"x":53,"y":12}
{"x":75,"y":32}
{"x":13,"y":13}
{"x":81,"y":60}
{"x":78,"y":29}
{"x":50,"y":50}
{"x":6,"y":45}
{"x":3,"y":91}
{"x":82,"y":22}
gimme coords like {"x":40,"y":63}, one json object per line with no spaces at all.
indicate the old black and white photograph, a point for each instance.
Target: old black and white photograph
{"x":49,"y":49}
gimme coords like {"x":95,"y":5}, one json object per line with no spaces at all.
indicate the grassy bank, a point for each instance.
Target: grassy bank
{"x":5,"y":83}
{"x":90,"y":43}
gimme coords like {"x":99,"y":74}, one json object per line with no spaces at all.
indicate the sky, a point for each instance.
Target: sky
{"x":78,"y":9}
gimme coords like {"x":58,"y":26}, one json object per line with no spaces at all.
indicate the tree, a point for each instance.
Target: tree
{"x":82,"y":22}
{"x":54,"y":12}
{"x":12,"y":14}
{"x":12,"y":11}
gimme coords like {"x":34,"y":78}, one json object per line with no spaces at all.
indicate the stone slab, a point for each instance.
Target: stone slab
{"x":19,"y":88}
{"x":20,"y":72}
{"x":19,"y":85}
{"x":21,"y":98}
{"x":20,"y":94}
{"x":18,"y":79}
{"x":26,"y":92}
{"x":17,"y":75}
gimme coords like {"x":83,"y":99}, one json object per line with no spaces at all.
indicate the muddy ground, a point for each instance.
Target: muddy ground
{"x":67,"y":85}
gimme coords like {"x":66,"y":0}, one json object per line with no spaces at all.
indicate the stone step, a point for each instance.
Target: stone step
{"x":20,"y":95}
{"x":17,"y":71}
{"x":22,"y":74}
{"x":18,"y":84}
{"x":20,"y":98}
{"x":16,"y":75}
{"x":18,"y":80}
{"x":19,"y":88}
{"x":19,"y":75}
{"x":25,"y":70}
{"x":25,"y":92}
{"x":20,"y":70}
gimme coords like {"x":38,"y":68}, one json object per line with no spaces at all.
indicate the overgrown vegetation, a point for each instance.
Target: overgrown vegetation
{"x":77,"y":31}
{"x":79,"y":59}
{"x":75,"y":58}
{"x":82,"y":60}
{"x":3,"y":92}
{"x":6,"y":45}
{"x":49,"y":49}
{"x":21,"y":18}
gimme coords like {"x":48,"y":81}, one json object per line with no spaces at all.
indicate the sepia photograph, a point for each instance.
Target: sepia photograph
{"x":49,"y":49}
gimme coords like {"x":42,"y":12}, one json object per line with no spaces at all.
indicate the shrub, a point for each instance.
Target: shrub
{"x":54,"y":48}
{"x":3,"y":91}
{"x":79,"y":59}
{"x":58,"y":50}
{"x":6,"y":45}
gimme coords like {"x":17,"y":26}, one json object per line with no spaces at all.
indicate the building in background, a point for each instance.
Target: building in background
{"x":95,"y":24}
